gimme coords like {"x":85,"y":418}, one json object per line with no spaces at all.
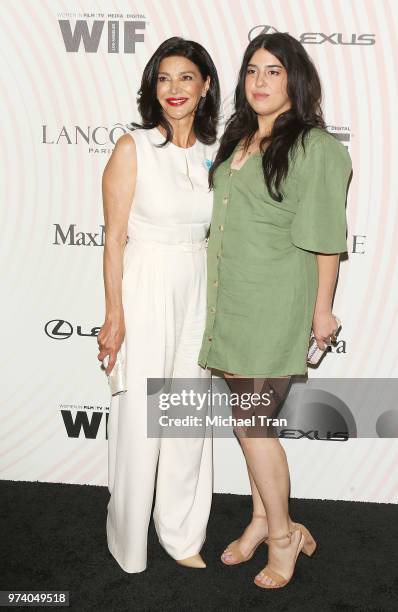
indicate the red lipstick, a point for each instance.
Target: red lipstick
{"x":176,"y":101}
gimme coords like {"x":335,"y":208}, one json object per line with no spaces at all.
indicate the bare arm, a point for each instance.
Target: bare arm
{"x":118,"y":186}
{"x":324,"y":323}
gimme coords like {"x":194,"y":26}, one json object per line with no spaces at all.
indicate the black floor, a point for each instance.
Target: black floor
{"x":53,"y":538}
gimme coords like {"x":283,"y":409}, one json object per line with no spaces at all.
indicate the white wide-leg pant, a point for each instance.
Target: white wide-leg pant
{"x":164,"y":300}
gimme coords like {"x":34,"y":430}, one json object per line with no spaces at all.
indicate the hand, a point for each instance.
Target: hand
{"x":110,"y":339}
{"x":324,"y":325}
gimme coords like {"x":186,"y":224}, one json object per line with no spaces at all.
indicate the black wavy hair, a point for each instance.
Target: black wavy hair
{"x":305,"y":94}
{"x":207,"y":112}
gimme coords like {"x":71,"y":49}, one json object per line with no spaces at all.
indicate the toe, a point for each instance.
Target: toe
{"x":264,"y":579}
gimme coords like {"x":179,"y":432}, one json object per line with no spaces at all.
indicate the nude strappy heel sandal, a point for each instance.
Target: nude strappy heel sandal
{"x":309,"y":542}
{"x":280,"y":581}
{"x":233,"y":548}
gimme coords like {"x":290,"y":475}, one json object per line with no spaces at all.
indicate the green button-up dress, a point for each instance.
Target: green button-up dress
{"x":262,"y":270}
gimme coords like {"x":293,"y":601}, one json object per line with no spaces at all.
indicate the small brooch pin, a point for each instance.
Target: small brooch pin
{"x":208,"y":163}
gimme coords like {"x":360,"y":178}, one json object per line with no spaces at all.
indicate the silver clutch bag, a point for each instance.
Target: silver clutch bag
{"x":117,"y":376}
{"x":314,"y":352}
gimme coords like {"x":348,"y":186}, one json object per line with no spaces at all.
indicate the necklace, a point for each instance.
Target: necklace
{"x":252,"y":149}
{"x":244,"y":154}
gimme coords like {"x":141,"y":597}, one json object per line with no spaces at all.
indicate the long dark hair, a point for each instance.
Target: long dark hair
{"x":305,"y":93}
{"x":207,"y":112}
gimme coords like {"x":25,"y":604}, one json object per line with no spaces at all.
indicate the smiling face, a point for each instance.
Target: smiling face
{"x":180,"y":86}
{"x":266,"y":85}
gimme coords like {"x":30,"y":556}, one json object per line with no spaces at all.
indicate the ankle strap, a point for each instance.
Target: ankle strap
{"x":282,"y":537}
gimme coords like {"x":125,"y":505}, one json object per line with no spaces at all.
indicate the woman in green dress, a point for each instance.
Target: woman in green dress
{"x":279,"y":224}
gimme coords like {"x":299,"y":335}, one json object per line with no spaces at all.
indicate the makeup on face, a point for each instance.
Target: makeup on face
{"x":266,"y":84}
{"x":179,"y":85}
{"x":176,"y":101}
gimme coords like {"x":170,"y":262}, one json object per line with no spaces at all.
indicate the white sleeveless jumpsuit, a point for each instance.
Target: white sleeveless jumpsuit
{"x":164,"y":301}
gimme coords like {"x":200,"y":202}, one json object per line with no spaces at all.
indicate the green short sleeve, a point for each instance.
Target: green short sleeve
{"x":323,"y":172}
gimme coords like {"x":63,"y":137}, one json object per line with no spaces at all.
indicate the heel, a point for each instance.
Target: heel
{"x":309,"y":542}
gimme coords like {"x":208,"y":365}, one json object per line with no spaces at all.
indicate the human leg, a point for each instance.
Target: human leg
{"x":185,"y":471}
{"x":266,"y":460}
{"x":133,"y":458}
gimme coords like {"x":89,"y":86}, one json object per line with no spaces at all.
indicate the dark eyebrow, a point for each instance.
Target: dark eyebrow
{"x":183,"y":72}
{"x":267,"y":66}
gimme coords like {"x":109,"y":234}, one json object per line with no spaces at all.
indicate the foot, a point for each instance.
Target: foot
{"x":255,"y":533}
{"x":242,"y":549}
{"x":195,"y":561}
{"x":282,"y":556}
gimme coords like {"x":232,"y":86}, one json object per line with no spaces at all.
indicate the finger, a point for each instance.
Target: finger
{"x":111,"y":363}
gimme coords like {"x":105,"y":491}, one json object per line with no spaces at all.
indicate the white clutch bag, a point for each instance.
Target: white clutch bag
{"x":314,"y":352}
{"x":117,"y":376}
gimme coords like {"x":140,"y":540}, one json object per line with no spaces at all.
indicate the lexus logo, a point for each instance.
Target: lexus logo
{"x":261,"y":29}
{"x":316,"y":414}
{"x":59,"y":329}
{"x":318,"y":38}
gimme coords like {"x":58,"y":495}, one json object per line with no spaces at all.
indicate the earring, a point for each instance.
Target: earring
{"x":201,"y":101}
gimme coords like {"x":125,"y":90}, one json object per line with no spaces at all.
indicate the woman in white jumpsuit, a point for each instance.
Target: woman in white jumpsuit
{"x":160,"y":303}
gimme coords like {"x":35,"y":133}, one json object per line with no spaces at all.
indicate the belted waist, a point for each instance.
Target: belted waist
{"x":183,"y":235}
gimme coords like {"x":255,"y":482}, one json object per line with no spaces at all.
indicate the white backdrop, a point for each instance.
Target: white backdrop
{"x":70,"y":72}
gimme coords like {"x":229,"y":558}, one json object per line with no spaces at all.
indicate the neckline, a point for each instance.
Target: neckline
{"x":174,"y":145}
{"x":243,"y":165}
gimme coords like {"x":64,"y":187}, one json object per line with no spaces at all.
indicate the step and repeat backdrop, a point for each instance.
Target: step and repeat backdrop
{"x":70,"y":71}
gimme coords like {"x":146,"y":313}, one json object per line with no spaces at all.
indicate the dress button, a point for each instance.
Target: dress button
{"x":215,"y":283}
{"x":210,"y":338}
{"x":221,"y":228}
{"x":225,"y":200}
{"x":212,"y":309}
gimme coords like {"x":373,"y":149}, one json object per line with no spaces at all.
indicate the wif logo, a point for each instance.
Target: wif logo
{"x":84,"y":425}
{"x":80,"y":35}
